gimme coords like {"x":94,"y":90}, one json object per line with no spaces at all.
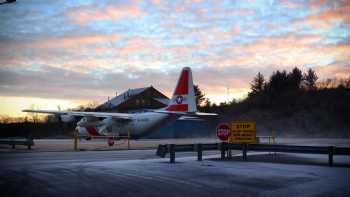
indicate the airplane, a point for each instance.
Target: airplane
{"x":7,"y":1}
{"x":136,"y":125}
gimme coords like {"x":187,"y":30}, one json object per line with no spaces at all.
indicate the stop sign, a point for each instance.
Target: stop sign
{"x":223,"y":131}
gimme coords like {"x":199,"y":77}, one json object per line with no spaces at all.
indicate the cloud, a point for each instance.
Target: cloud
{"x":69,"y":42}
{"x":94,"y":13}
{"x":325,"y":19}
{"x":334,"y":70}
{"x":64,"y":83}
{"x":292,"y":4}
{"x":287,"y":51}
{"x":90,"y":50}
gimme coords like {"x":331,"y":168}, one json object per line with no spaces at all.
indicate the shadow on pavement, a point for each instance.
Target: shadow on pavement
{"x":284,"y":158}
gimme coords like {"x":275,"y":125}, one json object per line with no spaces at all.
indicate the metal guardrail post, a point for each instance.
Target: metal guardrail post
{"x":199,"y":152}
{"x":128,"y":139}
{"x":223,"y":149}
{"x":229,"y":154}
{"x":244,"y":151}
{"x":162,"y":150}
{"x":30,"y":142}
{"x":172,"y":153}
{"x":330,"y":155}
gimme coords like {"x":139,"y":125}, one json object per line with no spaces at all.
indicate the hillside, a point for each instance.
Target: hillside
{"x":292,"y":110}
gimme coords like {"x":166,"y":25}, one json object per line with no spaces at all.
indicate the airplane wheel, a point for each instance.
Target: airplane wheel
{"x":110,"y":142}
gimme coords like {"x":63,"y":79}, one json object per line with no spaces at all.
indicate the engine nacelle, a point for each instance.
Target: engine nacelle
{"x":102,"y":129}
{"x":82,"y":131}
{"x":67,"y":118}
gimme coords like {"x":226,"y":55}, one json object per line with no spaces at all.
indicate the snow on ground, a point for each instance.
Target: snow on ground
{"x":101,"y":144}
{"x":141,"y":173}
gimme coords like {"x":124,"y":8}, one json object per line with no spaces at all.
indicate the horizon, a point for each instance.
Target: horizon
{"x":71,"y":53}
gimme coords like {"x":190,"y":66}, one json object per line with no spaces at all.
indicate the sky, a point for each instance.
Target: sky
{"x":67,"y":53}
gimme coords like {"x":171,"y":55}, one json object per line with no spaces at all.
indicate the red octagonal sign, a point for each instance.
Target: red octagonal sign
{"x":223,"y":131}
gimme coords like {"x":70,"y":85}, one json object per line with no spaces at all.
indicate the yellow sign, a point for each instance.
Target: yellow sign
{"x":243,"y":132}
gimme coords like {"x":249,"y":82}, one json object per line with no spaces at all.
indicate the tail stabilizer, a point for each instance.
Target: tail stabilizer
{"x":183,"y":99}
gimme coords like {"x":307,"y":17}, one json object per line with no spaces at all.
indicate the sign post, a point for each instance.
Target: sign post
{"x":223,"y":131}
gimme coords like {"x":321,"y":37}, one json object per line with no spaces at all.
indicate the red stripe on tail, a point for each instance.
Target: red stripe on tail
{"x":182,"y":86}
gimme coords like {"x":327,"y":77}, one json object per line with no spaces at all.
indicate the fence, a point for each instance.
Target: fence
{"x":18,"y":141}
{"x":225,"y":147}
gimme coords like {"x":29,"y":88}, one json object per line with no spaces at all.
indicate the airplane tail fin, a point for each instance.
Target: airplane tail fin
{"x":183,"y":99}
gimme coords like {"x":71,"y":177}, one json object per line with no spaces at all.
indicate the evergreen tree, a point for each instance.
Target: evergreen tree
{"x":294,"y":79}
{"x":278,"y":82}
{"x":200,"y":96}
{"x":310,"y":79}
{"x":257,"y":85}
{"x":207,"y":105}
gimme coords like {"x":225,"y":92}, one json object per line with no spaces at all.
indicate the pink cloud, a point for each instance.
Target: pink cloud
{"x":286,"y":51}
{"x":323,"y":19}
{"x":292,"y":4}
{"x":87,"y":14}
{"x":340,"y":13}
{"x":71,"y":41}
{"x":336,"y":70}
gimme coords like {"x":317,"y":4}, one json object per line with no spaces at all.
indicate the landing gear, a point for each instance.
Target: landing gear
{"x":110,"y":141}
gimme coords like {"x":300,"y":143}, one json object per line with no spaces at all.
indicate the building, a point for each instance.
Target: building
{"x":136,"y":99}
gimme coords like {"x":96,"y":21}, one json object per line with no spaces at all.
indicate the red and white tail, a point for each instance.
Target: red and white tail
{"x":183,"y":99}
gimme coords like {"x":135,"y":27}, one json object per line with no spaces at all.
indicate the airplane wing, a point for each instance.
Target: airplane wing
{"x":123,"y":116}
{"x":202,"y":114}
{"x":191,"y":118}
{"x":170,"y":112}
{"x":188,"y":114}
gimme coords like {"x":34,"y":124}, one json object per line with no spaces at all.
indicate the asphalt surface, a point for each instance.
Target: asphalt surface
{"x":141,"y":173}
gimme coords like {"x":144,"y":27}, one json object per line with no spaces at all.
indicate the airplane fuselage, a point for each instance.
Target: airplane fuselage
{"x":140,"y":125}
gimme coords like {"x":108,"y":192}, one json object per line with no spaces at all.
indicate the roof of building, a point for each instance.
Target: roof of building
{"x":125,"y":96}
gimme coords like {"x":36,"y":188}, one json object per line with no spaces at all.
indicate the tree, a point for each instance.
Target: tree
{"x":257,"y":85}
{"x":207,"y":105}
{"x":310,"y":79}
{"x":278,"y":82}
{"x":294,"y":79}
{"x":200,"y":96}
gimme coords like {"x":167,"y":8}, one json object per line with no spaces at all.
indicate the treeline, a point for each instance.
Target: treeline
{"x":37,"y":129}
{"x":281,"y":84}
{"x":295,"y":103}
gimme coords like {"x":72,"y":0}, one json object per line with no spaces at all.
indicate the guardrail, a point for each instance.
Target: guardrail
{"x":18,"y":141}
{"x":225,"y":147}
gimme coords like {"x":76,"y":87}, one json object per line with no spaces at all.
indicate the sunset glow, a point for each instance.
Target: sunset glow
{"x":71,"y":52}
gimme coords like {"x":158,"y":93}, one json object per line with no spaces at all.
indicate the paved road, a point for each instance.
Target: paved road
{"x":141,"y":173}
{"x":13,"y":160}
